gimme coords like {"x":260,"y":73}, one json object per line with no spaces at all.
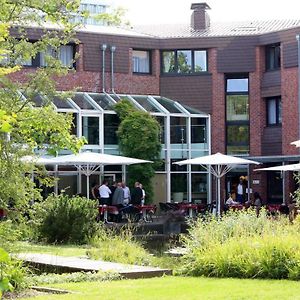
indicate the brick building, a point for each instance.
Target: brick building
{"x":244,"y":75}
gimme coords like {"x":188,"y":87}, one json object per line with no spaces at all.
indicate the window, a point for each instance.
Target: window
{"x":273,"y":57}
{"x":178,"y":130}
{"x":184,"y":61}
{"x":90,"y":129}
{"x":168,"y":62}
{"x":198,"y":130}
{"x":111,"y":124}
{"x":65,"y":54}
{"x":237,"y":85}
{"x":237,"y":114}
{"x":141,"y":61}
{"x":237,"y":108}
{"x":273,"y":111}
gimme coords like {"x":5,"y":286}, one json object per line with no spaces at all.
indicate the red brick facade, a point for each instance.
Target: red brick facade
{"x":261,"y":84}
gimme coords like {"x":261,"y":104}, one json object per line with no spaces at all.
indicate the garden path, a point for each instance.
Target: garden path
{"x":76,"y":264}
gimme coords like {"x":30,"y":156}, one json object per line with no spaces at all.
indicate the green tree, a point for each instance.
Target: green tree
{"x":25,"y":127}
{"x":115,"y":18}
{"x":138,"y":135}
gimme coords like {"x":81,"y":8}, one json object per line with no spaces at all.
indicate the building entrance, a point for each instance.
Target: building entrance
{"x":237,"y":185}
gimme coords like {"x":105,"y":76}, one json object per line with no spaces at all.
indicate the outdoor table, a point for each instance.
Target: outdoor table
{"x":189,"y":207}
{"x":145,"y":210}
{"x":273,"y":207}
{"x":236,"y":206}
{"x":105,"y":209}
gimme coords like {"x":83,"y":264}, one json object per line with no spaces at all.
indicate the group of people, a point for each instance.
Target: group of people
{"x":118,"y":194}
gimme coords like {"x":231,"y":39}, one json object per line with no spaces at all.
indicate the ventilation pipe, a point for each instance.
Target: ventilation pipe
{"x":112,"y":50}
{"x":103,"y":47}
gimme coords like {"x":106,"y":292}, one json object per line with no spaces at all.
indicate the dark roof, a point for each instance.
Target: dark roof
{"x":217,"y":29}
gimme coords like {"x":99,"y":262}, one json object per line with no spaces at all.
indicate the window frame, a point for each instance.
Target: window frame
{"x":176,"y":72}
{"x":276,"y":60}
{"x":278,"y":101}
{"x":149,"y":51}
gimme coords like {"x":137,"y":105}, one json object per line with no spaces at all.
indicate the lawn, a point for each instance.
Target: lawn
{"x":175,"y":288}
{"x":62,"y":250}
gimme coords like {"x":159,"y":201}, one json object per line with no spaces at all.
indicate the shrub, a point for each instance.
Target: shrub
{"x":11,"y":273}
{"x":242,"y":245}
{"x":9,"y":233}
{"x":118,"y":247}
{"x":62,"y":219}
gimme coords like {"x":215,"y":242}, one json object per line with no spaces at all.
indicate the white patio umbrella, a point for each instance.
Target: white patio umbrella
{"x":293,"y":167}
{"x":217,"y":164}
{"x":90,"y":162}
{"x":296,"y":143}
{"x":282,"y":168}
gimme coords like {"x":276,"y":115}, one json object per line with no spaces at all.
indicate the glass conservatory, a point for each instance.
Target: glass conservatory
{"x":185,"y":133}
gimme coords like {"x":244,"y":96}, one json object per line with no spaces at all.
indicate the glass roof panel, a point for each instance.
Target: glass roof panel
{"x":115,"y":97}
{"x":146,"y":103}
{"x":192,"y":110}
{"x":37,"y":99}
{"x":82,"y":102}
{"x":168,"y":104}
{"x":102,"y":100}
{"x":62,"y":103}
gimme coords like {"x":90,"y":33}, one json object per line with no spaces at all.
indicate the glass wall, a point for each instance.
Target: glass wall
{"x":184,"y":134}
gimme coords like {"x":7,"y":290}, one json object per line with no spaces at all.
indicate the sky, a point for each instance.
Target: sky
{"x":178,"y":11}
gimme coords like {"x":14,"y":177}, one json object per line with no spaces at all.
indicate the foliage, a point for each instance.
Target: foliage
{"x":10,"y":233}
{"x":120,"y":247}
{"x":243,"y":245}
{"x":115,"y":18}
{"x":296,"y":194}
{"x":11,"y":273}
{"x":62,"y":219}
{"x":21,"y":121}
{"x":138,"y":135}
{"x":61,"y":250}
{"x":72,"y":277}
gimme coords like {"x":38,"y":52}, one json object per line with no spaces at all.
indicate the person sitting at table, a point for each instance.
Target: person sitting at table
{"x":230,"y":201}
{"x":257,"y":202}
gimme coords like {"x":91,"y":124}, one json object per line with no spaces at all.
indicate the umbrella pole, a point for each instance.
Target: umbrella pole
{"x":219,"y":196}
{"x":87,"y":186}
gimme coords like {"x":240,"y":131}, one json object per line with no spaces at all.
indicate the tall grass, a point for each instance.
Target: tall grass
{"x":243,"y":245}
{"x":118,"y":246}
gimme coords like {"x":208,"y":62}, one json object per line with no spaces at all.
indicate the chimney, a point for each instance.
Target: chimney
{"x":200,"y":18}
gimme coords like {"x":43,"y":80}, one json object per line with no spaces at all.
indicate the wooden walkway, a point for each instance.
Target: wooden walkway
{"x":74,"y":264}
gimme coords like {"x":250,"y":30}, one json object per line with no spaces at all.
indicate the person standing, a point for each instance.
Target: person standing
{"x":144,"y":195}
{"x":137,"y":194}
{"x":95,"y":191}
{"x":127,"y":195}
{"x":240,"y":191}
{"x":104,"y":192}
{"x":112,"y":189}
{"x":118,"y":196}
